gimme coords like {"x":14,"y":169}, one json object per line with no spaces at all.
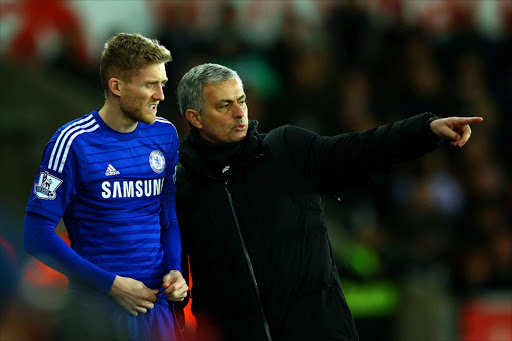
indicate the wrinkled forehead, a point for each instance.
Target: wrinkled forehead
{"x":229,"y":89}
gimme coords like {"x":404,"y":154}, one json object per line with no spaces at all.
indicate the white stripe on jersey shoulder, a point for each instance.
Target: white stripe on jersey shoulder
{"x":63,"y":144}
{"x":164,"y":120}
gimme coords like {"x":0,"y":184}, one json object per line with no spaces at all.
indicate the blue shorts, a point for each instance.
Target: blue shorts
{"x":156,"y":324}
{"x":101,"y":318}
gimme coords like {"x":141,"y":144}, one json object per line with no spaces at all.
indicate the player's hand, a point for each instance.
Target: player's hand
{"x":455,"y":129}
{"x":132,"y":295}
{"x":175,"y":286}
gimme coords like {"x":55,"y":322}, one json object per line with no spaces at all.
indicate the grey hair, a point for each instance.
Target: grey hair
{"x":190,"y":88}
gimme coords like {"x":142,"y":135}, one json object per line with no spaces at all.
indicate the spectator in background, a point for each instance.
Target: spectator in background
{"x":40,"y":19}
{"x":110,"y":176}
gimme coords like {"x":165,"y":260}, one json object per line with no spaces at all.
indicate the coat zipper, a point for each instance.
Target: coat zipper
{"x":249,"y":263}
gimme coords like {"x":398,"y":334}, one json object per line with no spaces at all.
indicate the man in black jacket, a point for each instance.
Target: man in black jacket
{"x":249,"y":207}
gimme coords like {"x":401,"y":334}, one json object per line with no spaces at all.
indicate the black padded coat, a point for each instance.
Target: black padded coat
{"x":255,"y":234}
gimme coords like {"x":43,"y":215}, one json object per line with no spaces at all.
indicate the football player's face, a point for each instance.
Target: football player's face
{"x":141,"y":94}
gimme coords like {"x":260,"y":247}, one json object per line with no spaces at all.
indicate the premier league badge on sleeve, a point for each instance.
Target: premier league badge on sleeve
{"x":157,"y":161}
{"x":46,"y":186}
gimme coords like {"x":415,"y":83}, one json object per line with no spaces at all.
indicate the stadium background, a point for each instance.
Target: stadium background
{"x":424,"y":252}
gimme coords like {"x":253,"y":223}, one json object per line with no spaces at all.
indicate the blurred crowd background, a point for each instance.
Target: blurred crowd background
{"x":424,"y":251}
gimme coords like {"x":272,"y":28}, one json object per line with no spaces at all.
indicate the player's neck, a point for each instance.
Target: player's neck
{"x":115,"y":119}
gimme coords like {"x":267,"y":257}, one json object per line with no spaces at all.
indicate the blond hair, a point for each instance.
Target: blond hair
{"x":124,"y":54}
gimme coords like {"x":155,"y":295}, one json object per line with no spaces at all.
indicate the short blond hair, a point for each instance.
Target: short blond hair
{"x":124,"y":54}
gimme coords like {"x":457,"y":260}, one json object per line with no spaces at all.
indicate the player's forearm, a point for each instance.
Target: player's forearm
{"x":41,"y":241}
{"x":171,"y":243}
{"x":170,"y":235}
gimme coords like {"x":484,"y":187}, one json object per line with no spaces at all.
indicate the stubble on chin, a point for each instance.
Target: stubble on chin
{"x":140,"y":116}
{"x":148,"y":119}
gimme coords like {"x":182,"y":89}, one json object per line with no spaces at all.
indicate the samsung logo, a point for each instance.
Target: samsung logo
{"x":131,"y":189}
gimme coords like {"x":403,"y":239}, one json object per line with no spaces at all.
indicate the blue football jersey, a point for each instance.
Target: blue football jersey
{"x":109,"y":188}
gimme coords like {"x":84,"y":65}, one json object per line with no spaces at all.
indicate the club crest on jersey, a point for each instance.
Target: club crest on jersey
{"x":157,"y":161}
{"x":46,"y":186}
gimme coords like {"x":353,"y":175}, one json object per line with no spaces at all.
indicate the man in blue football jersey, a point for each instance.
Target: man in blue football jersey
{"x":110,"y":176}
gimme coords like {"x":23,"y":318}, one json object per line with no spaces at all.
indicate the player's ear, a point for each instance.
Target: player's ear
{"x":114,"y":84}
{"x":194,"y":118}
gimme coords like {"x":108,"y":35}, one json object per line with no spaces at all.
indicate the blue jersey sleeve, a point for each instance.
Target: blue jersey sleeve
{"x":60,"y":175}
{"x":42,"y":242}
{"x":57,"y":180}
{"x":170,"y":237}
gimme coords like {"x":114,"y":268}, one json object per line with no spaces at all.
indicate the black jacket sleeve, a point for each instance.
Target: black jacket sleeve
{"x":339,"y":162}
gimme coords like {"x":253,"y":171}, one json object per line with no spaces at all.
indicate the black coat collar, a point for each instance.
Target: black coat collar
{"x":212,"y":160}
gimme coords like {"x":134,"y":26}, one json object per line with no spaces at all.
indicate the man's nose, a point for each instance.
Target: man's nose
{"x":159,"y":93}
{"x":238,"y":111}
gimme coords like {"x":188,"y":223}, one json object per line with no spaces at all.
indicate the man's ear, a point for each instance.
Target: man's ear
{"x":114,"y":84}
{"x":194,"y":118}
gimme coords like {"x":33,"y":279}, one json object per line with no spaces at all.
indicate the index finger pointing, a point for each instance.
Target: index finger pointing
{"x":468,"y":120}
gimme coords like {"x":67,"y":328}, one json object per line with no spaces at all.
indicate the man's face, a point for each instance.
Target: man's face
{"x":141,"y":94}
{"x":225,"y":117}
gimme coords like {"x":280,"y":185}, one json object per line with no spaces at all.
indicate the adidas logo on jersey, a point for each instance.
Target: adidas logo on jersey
{"x":111,"y":170}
